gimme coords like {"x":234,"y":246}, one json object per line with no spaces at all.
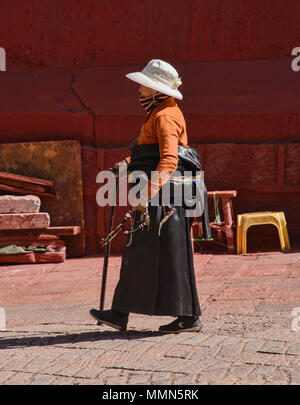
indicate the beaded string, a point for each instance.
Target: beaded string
{"x":121,"y":227}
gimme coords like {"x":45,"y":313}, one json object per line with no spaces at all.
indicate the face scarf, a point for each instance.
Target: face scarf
{"x":150,"y":102}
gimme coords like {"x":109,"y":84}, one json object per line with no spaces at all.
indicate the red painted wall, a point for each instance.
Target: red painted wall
{"x":66,"y":62}
{"x":91,"y":33}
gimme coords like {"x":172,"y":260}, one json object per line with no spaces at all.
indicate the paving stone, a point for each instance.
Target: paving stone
{"x":172,"y":364}
{"x":177,"y":351}
{"x":83,"y":365}
{"x":74,"y":370}
{"x":244,"y":292}
{"x":230,"y":350}
{"x":195,"y":339}
{"x":20,"y":362}
{"x":161,"y":381}
{"x":159,"y":377}
{"x":227,"y":381}
{"x":216,"y":365}
{"x":294,"y":376}
{"x":41,"y":379}
{"x":60,"y":380}
{"x":84,"y":372}
{"x":230,"y":340}
{"x":5,"y":375}
{"x":42,"y":361}
{"x":251,"y":380}
{"x":129,"y":359}
{"x":211,"y":376}
{"x":5,"y":357}
{"x":239,"y":371}
{"x":61,"y":362}
{"x":84,"y":381}
{"x":19,"y":379}
{"x":109,"y":372}
{"x":138,"y":378}
{"x":273,"y":347}
{"x":276,"y":377}
{"x":180,"y":337}
{"x":267,"y":359}
{"x":252,"y":345}
{"x":98,"y":344}
{"x":296,"y":272}
{"x":201,"y":353}
{"x":271,"y":333}
{"x":118,"y":380}
{"x":213,"y":340}
{"x":268,"y":374}
{"x":183,"y":379}
{"x":293,"y":348}
{"x":282,"y":296}
{"x":132,"y":344}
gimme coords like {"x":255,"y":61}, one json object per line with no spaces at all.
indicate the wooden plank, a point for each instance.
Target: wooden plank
{"x":51,"y":257}
{"x":274,"y":188}
{"x":26,"y":236}
{"x":20,"y":258}
{"x":222,"y":193}
{"x":26,"y":179}
{"x":27,"y":186}
{"x":64,"y":230}
{"x":68,"y":230}
{"x":24,"y":191}
{"x":32,"y":242}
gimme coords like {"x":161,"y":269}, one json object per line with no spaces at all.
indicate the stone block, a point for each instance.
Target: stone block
{"x":19,"y":204}
{"x":38,"y":220}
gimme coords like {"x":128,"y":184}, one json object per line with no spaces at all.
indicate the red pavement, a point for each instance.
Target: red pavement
{"x":247,"y":336}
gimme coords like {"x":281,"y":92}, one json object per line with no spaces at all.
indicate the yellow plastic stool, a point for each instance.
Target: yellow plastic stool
{"x":244,"y":221}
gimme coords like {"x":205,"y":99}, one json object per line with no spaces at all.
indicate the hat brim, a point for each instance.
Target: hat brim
{"x":140,"y":78}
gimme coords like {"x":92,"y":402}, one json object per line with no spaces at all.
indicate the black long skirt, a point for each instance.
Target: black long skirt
{"x":157,"y":271}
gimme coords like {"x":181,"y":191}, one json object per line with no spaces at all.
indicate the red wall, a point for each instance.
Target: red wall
{"x":87,"y":33}
{"x":66,"y":62}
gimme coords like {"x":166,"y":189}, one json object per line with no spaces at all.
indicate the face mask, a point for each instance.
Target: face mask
{"x":150,"y":102}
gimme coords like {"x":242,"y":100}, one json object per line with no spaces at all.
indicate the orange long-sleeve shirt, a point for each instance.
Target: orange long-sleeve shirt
{"x":165,"y":126}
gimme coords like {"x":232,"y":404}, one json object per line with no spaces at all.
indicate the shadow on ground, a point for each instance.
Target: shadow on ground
{"x":14,"y":343}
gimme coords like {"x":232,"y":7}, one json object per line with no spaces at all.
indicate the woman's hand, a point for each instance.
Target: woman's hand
{"x":142,"y":204}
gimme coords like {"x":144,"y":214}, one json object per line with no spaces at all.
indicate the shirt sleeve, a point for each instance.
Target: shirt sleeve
{"x":168,"y":131}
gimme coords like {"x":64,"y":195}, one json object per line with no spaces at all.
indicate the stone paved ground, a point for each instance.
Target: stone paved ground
{"x":247,"y":337}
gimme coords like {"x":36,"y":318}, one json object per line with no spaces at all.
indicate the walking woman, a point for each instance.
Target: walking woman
{"x":157,"y":271}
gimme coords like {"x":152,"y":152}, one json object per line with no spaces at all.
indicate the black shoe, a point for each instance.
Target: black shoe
{"x":112,"y":318}
{"x":182,"y":324}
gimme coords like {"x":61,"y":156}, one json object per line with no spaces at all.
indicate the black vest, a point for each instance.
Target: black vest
{"x":146,"y":157}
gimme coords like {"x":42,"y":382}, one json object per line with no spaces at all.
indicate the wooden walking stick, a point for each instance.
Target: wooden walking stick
{"x":107,"y":246}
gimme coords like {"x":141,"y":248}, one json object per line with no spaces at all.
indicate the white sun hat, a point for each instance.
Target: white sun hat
{"x":159,"y":76}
